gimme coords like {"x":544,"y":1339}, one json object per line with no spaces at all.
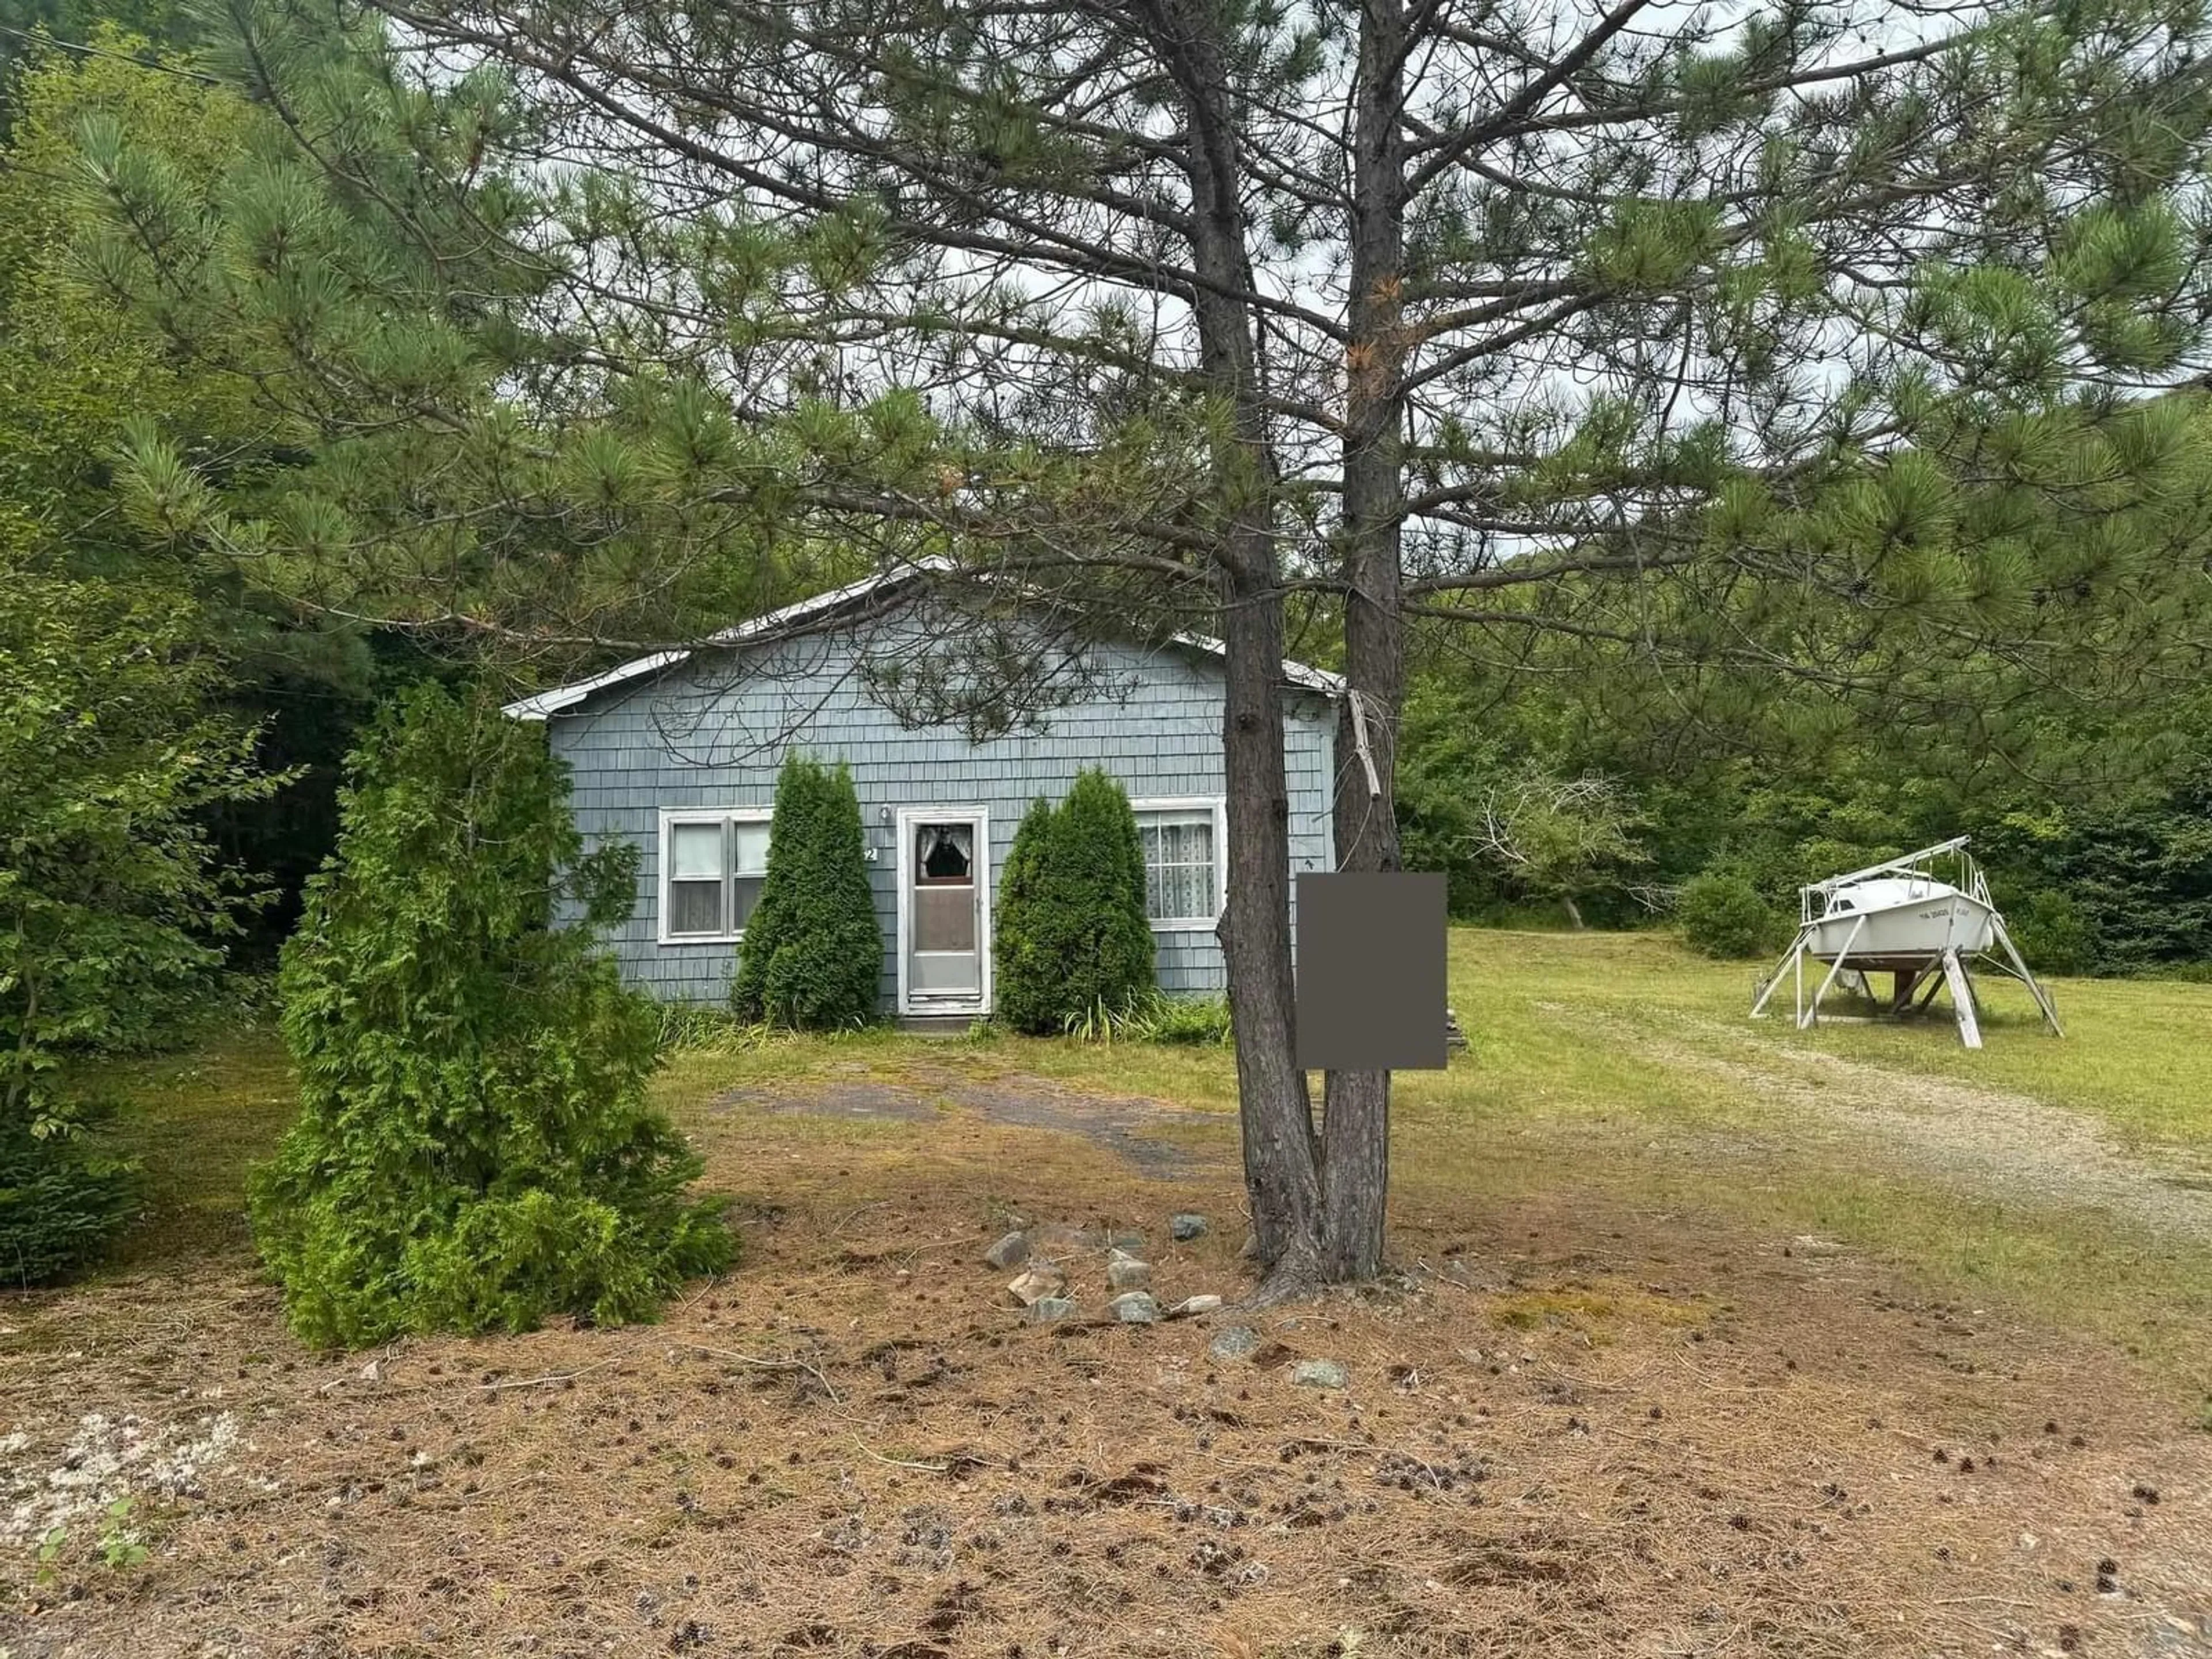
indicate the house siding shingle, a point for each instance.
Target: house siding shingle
{"x":712,"y":733}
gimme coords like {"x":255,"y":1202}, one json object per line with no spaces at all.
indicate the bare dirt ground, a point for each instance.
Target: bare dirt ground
{"x":1591,"y":1429}
{"x":1128,"y":1125}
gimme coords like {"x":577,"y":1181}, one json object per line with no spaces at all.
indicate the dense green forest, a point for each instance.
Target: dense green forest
{"x":1595,"y":787}
{"x":325,"y":376}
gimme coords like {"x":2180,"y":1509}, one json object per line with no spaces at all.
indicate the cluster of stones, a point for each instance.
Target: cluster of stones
{"x":1041,"y":1288}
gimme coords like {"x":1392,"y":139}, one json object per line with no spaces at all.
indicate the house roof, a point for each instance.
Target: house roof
{"x":818,"y":611}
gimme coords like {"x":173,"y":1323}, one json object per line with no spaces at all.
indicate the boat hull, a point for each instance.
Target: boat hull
{"x":1914,"y":934}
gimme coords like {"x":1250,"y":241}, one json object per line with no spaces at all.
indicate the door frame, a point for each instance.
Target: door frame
{"x":903,"y":874}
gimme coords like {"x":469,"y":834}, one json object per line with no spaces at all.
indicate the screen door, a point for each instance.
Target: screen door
{"x":945,"y":920}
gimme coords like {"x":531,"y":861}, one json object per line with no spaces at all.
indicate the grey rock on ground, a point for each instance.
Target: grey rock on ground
{"x":1049,"y":1310}
{"x":1234,"y":1342}
{"x":1009,"y":1252}
{"x":1125,"y":1272}
{"x":1187,"y":1226}
{"x":1042,"y":1279}
{"x":1134,"y":1307}
{"x":1191,"y":1306}
{"x":1320,"y":1374}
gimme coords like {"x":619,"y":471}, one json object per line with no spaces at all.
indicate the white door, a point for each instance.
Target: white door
{"x":944,"y":911}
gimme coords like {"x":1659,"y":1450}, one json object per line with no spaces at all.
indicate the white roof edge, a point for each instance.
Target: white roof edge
{"x":551,"y":702}
{"x":1296,"y":673}
{"x":546,"y":703}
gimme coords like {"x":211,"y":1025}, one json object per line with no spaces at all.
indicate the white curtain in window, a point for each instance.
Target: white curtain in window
{"x":1179,"y":866}
{"x":945,"y":852}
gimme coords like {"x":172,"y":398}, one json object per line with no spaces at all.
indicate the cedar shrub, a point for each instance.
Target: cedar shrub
{"x":1025,"y":977}
{"x":1072,"y":939}
{"x":473,"y":1151}
{"x":812,"y":955}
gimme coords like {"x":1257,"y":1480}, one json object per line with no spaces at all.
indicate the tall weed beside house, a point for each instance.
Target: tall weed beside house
{"x":1072,"y":938}
{"x":812,"y":954}
{"x":473,"y":1150}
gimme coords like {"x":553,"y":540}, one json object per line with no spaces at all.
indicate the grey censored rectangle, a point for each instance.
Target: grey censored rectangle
{"x":1371,"y":971}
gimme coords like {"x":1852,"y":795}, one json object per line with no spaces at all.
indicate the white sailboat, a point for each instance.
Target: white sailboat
{"x":1901,"y":918}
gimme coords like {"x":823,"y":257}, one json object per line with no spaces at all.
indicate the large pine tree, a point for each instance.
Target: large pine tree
{"x":1685,"y":329}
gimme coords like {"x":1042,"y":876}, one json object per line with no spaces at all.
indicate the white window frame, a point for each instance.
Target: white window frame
{"x":1218,"y":805}
{"x":672,"y":816}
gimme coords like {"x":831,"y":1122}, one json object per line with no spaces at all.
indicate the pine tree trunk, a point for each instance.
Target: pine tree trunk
{"x":1274,"y":1112}
{"x":1356,"y":1125}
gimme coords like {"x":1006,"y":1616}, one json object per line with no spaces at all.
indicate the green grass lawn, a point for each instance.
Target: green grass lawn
{"x":2133,"y":1055}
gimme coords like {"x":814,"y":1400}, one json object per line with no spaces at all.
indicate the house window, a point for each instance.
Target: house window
{"x":712,"y":863}
{"x":1185,"y":846}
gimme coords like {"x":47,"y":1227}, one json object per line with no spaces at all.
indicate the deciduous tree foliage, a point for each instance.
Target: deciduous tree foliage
{"x":813,"y":957}
{"x":79,"y":369}
{"x":473,"y":1150}
{"x":115,"y":749}
{"x":1798,"y":342}
{"x":112,"y":901}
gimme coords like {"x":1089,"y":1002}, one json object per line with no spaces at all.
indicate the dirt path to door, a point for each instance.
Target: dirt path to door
{"x":1161,"y":1141}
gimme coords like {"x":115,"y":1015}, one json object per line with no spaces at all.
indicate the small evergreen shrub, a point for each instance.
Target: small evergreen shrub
{"x":1724,"y":916}
{"x":812,"y":955}
{"x":473,"y":1150}
{"x":1073,"y":941}
{"x":1026,"y":993}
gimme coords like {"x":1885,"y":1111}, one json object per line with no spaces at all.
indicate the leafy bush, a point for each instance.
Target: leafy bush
{"x":812,"y":956}
{"x":1724,"y":916}
{"x":114,"y":904}
{"x":65,"y":1193}
{"x":1072,"y":939}
{"x":2051,"y":934}
{"x":473,"y":1149}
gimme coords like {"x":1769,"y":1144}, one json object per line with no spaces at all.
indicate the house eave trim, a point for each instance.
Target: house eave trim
{"x":545,"y":704}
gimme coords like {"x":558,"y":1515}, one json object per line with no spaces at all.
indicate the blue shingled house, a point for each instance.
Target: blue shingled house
{"x":678,"y":752}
